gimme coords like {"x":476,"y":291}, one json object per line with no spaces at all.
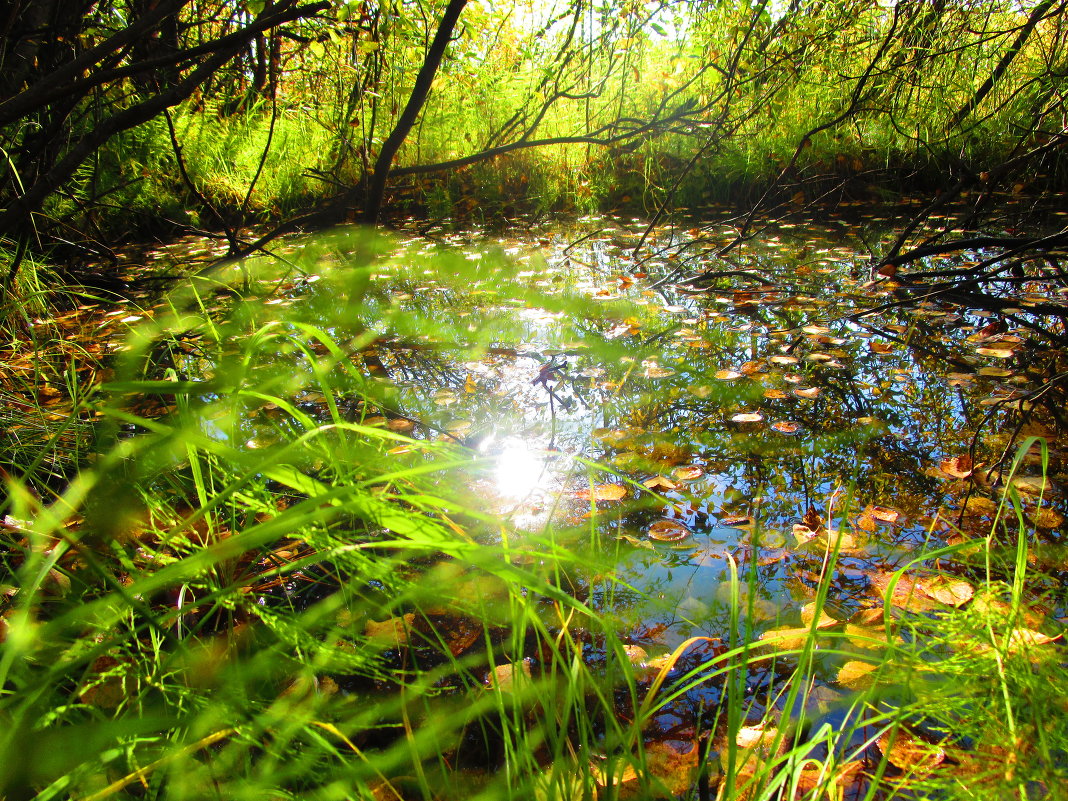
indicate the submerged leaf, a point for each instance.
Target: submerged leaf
{"x":856,"y":675}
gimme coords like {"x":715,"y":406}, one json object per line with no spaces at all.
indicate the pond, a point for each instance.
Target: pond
{"x":722,"y":444}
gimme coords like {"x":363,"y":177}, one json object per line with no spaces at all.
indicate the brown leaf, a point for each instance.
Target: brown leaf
{"x":668,"y":531}
{"x":908,"y":752}
{"x":603,"y":492}
{"x":958,"y":466}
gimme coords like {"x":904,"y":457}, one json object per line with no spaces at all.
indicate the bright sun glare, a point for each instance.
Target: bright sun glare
{"x":520,"y":470}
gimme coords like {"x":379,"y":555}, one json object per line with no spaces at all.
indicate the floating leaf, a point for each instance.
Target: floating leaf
{"x":880,"y":347}
{"x":603,"y":492}
{"x":785,"y":427}
{"x":807,"y":393}
{"x":809,"y":612}
{"x":995,"y":372}
{"x":856,"y":675}
{"x":996,"y":353}
{"x":884,"y":514}
{"x":747,"y":417}
{"x":392,"y":632}
{"x":786,"y":638}
{"x":690,"y":472}
{"x":728,"y":375}
{"x":668,"y":531}
{"x":660,"y":483}
{"x":504,"y":677}
{"x":783,"y":360}
{"x":1021,"y":639}
{"x":654,"y":370}
{"x":907,"y":752}
{"x":774,"y":394}
{"x":958,"y":466}
{"x":868,"y":637}
{"x":636,"y":655}
{"x":950,"y":591}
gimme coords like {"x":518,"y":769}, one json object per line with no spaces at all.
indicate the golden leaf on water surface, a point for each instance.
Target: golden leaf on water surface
{"x":690,"y":472}
{"x":807,"y":393}
{"x":786,"y":638}
{"x":602,"y":492}
{"x":636,"y":655}
{"x":958,"y":466}
{"x":783,"y":360}
{"x":950,"y":591}
{"x":617,"y":774}
{"x":728,"y":375}
{"x":996,"y":353}
{"x":884,"y":514}
{"x":774,"y":394}
{"x":660,"y":483}
{"x":908,"y":752}
{"x":869,"y":637}
{"x":880,"y":347}
{"x":668,"y":531}
{"x":856,"y":675}
{"x":995,"y":372}
{"x":809,"y":613}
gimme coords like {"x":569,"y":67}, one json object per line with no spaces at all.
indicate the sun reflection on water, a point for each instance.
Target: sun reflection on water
{"x":520,"y":471}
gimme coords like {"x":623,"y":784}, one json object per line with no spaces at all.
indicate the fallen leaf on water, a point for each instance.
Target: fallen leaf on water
{"x":774,"y":394}
{"x":868,"y":637}
{"x":660,"y":483}
{"x":908,"y":752}
{"x":690,"y":472}
{"x":783,"y":360}
{"x":747,"y":417}
{"x":958,"y":466}
{"x":880,"y":347}
{"x":390,"y":632}
{"x":605,"y":775}
{"x":636,"y":655}
{"x":996,"y":353}
{"x":807,"y":393}
{"x":884,"y":514}
{"x":1021,"y":640}
{"x":785,"y":427}
{"x":808,"y":615}
{"x":668,"y":531}
{"x":728,"y":375}
{"x":950,"y":591}
{"x":856,"y":675}
{"x":789,"y":639}
{"x":603,"y":492}
{"x":504,"y":677}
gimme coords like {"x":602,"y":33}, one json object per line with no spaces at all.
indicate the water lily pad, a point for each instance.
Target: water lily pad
{"x":668,"y":531}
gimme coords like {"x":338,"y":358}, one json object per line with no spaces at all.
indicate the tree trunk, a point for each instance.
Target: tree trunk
{"x":404,"y":125}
